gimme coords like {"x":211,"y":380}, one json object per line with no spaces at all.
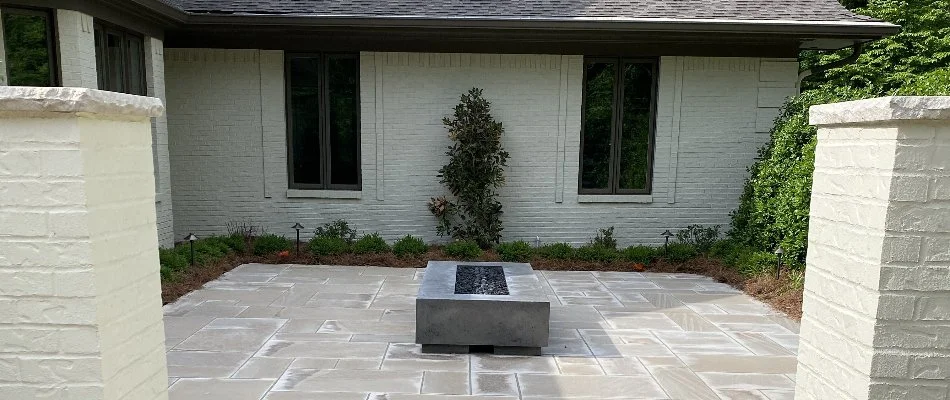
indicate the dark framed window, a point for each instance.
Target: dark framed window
{"x":617,"y":129}
{"x":323,"y":131}
{"x":120,"y":59}
{"x":30,"y":44}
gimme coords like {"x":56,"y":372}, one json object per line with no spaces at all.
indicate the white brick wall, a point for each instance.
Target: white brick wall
{"x":227,"y":142}
{"x":80,"y":301}
{"x":877,"y":290}
{"x":155,"y":82}
{"x":77,"y":49}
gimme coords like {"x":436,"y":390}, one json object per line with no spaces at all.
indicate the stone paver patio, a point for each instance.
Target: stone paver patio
{"x":282,"y":332}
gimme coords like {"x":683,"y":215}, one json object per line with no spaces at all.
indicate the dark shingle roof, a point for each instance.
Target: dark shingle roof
{"x":763,"y":10}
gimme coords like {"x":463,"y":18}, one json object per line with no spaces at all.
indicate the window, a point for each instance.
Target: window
{"x":28,"y":39}
{"x":120,"y":60}
{"x":323,"y":133}
{"x":617,"y":129}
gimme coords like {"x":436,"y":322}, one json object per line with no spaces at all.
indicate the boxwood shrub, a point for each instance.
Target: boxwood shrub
{"x":410,"y":246}
{"x":328,"y":245}
{"x":639,"y":254}
{"x":464,"y":249}
{"x":679,"y":252}
{"x":596,"y":253}
{"x":519,"y":251}
{"x":557,"y":251}
{"x":371,"y":244}
{"x":270,"y":243}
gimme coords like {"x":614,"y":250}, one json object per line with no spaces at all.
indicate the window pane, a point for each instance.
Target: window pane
{"x":635,"y":133}
{"x":114,"y":59}
{"x":305,"y":119}
{"x":136,"y":64}
{"x":26,"y":38}
{"x":101,"y":75}
{"x":343,"y":105}
{"x":598,"y":117}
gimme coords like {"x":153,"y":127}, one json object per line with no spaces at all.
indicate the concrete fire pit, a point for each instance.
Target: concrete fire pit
{"x":481,"y":306}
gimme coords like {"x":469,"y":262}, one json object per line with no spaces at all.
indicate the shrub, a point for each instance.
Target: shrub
{"x":596,"y":253}
{"x":680,"y":252}
{"x":605,"y":238}
{"x":639,"y":254}
{"x":758,"y":263}
{"x":730,"y":252}
{"x":339,"y":228}
{"x":464,"y":249}
{"x":244,"y":230}
{"x":474,"y":171}
{"x":328,"y":245}
{"x":519,"y":251}
{"x":236,"y":242}
{"x":172,"y":260}
{"x":557,"y":251}
{"x":700,"y":237}
{"x":370,"y":244}
{"x":410,"y":246}
{"x":270,"y":243}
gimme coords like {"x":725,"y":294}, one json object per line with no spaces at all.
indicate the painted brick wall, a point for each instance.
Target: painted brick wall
{"x":877,"y":289}
{"x":79,"y":282}
{"x":155,"y":82}
{"x":227,"y":142}
{"x":77,"y":49}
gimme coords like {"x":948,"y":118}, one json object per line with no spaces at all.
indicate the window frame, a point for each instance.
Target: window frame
{"x":52,"y":43}
{"x":326,"y":163}
{"x":616,"y":124}
{"x":126,"y":61}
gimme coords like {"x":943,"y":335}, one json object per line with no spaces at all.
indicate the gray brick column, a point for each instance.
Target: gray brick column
{"x":876,"y":321}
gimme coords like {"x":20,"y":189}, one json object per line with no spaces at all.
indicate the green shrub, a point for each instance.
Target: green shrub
{"x":698,"y":236}
{"x":680,"y":252}
{"x":639,"y":254}
{"x":410,"y":246}
{"x":328,"y":245}
{"x":758,"y":263}
{"x":370,"y":244}
{"x":339,"y":228}
{"x":474,"y":172}
{"x":557,"y":251}
{"x":605,"y":238}
{"x":269,"y":244}
{"x":235,"y":242}
{"x":464,"y":249}
{"x":519,"y":251}
{"x":596,"y":253}
{"x":172,"y":260}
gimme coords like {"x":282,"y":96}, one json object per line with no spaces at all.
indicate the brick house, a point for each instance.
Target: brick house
{"x":642,"y":115}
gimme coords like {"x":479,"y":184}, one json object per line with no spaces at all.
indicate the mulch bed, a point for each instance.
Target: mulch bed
{"x":780,"y":294}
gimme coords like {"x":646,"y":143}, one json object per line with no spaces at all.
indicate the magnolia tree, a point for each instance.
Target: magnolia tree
{"x":473,"y":174}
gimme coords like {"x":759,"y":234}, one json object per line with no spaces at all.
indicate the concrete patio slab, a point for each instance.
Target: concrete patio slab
{"x":286,"y":332}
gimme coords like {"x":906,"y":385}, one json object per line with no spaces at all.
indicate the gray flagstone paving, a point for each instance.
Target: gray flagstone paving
{"x":285,"y":332}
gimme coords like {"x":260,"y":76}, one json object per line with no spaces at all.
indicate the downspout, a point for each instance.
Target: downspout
{"x":856,"y":51}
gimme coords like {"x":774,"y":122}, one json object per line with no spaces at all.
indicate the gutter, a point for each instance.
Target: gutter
{"x":856,"y":50}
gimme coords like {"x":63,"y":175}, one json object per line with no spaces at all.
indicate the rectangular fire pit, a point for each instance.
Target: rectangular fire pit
{"x":487,"y":306}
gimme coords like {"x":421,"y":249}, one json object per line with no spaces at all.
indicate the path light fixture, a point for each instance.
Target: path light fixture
{"x":666,"y":244}
{"x":191,"y":243}
{"x":298,"y":227}
{"x":778,"y":266}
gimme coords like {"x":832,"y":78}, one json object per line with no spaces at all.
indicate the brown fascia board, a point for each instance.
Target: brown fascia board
{"x":853,"y":31}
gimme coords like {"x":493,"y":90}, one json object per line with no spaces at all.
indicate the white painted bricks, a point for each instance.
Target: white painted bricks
{"x":80,"y":299}
{"x":877,"y":288}
{"x":228,"y":151}
{"x":77,"y":49}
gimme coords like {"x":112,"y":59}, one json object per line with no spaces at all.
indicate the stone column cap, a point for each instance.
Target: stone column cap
{"x":881,"y":109}
{"x":77,"y":100}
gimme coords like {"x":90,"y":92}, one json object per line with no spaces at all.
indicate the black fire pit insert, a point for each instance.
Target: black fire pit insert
{"x":480,"y":279}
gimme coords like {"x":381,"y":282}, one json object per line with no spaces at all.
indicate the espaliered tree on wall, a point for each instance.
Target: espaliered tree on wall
{"x":774,"y":208}
{"x":474,"y":171}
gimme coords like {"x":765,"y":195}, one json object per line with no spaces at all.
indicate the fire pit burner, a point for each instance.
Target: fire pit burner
{"x":480,"y":279}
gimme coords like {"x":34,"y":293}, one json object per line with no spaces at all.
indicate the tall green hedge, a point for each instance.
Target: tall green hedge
{"x":774,"y":207}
